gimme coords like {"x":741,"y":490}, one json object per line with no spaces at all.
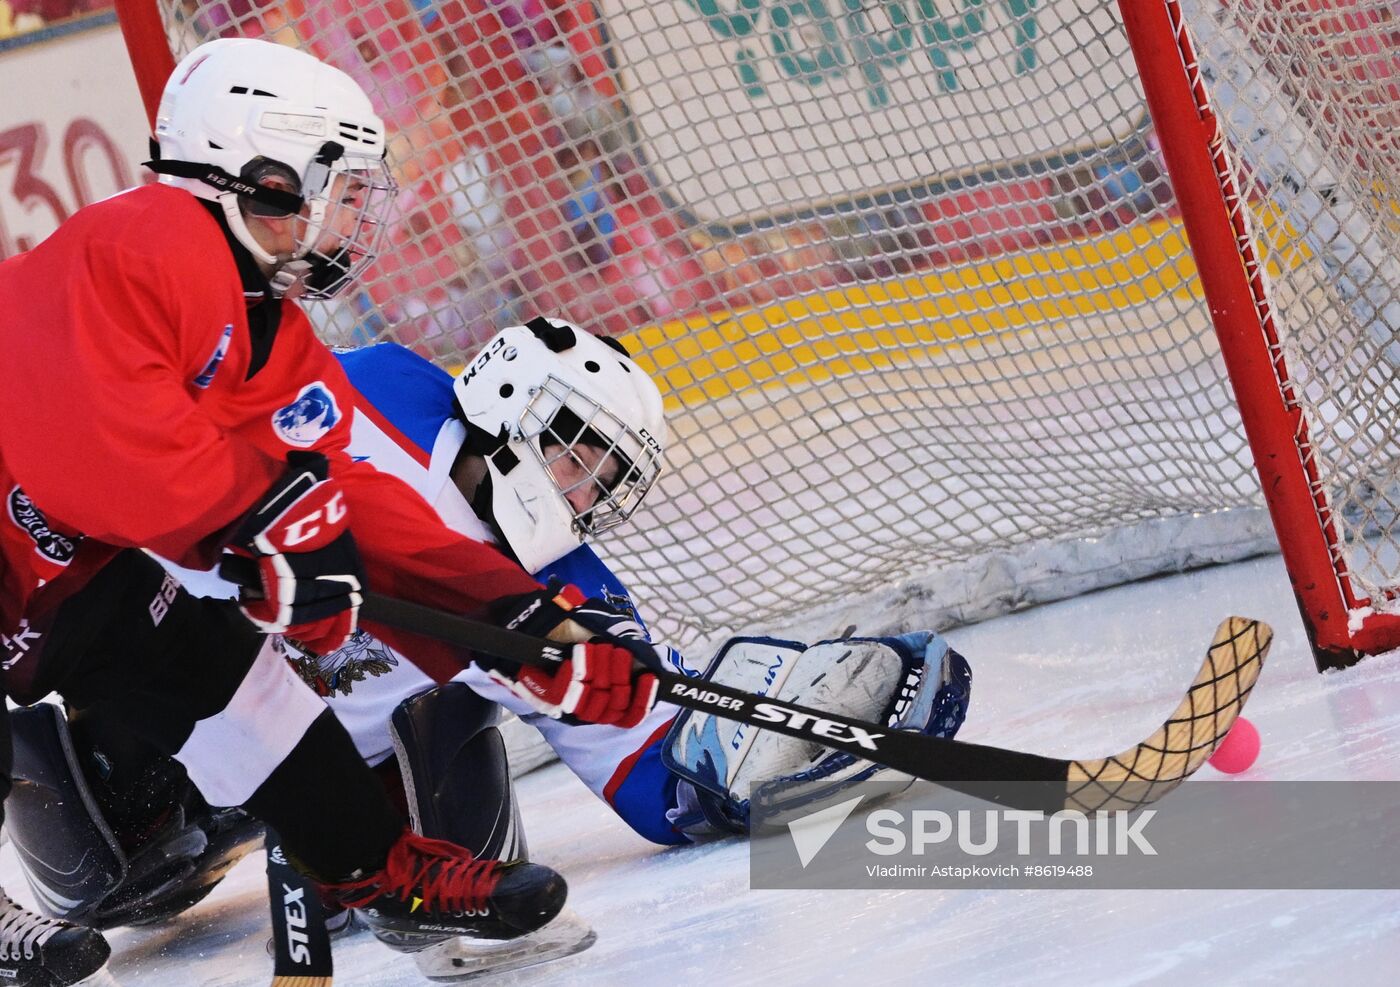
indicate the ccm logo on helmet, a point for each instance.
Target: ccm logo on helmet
{"x":485,"y":357}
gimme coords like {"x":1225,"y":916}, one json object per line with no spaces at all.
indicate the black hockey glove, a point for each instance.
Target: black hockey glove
{"x":561,"y":613}
{"x":603,"y":618}
{"x":309,"y":573}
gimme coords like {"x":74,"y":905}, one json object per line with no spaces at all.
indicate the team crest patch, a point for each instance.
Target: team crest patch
{"x":206,"y":376}
{"x":47,"y":542}
{"x":310,"y":416}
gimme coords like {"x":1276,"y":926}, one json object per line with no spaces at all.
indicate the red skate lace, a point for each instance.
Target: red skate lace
{"x":461,"y":883}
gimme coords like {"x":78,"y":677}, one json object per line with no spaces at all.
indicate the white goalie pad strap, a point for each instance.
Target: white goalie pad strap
{"x":228,"y":755}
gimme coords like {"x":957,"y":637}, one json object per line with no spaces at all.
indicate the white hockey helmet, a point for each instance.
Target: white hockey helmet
{"x":532,"y":398}
{"x":238,"y":111}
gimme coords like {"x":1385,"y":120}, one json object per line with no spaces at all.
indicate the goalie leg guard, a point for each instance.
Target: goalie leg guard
{"x":109,"y":831}
{"x":178,"y":846}
{"x":455,"y":775}
{"x":458,"y":787}
{"x":909,"y":682}
{"x":68,"y":853}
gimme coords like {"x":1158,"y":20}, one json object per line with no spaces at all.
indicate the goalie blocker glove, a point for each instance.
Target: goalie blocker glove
{"x":910,"y":682}
{"x":607,"y":677}
{"x":309,"y":573}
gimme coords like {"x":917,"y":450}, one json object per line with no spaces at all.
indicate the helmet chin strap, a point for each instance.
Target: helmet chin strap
{"x":290,"y":275}
{"x":287,"y":270}
{"x":481,"y":505}
{"x":233,"y":215}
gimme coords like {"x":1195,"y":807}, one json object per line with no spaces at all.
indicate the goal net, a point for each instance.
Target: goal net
{"x":911,"y":273}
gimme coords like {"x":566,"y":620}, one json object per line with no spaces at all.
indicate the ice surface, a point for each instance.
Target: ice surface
{"x":1079,"y":678}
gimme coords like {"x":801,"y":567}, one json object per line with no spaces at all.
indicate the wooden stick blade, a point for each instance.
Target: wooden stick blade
{"x":1151,"y":769}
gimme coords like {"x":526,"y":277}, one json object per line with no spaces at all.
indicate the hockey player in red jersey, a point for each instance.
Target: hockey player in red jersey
{"x":165,"y":392}
{"x":549,"y":436}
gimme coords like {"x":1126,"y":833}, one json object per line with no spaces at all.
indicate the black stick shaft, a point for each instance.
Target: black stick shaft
{"x":949,"y":762}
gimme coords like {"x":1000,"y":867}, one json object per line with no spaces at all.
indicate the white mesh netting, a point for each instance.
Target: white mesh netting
{"x":1309,"y":98}
{"x":910,"y":272}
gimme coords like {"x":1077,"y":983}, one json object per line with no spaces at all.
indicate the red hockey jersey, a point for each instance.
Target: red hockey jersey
{"x":127,"y":418}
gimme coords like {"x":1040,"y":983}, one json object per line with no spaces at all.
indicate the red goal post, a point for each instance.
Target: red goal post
{"x":914,"y":277}
{"x":1236,"y":285}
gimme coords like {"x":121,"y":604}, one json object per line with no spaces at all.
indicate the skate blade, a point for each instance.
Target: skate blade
{"x":464,"y":958}
{"x":102,"y":978}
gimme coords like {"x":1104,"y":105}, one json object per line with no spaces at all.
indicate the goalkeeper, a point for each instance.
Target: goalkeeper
{"x":549,"y":437}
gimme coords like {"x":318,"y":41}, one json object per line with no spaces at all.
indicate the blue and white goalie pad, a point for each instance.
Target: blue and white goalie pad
{"x":911,"y":682}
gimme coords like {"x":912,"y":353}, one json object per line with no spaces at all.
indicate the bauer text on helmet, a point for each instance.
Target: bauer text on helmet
{"x":290,"y":148}
{"x":571,"y":430}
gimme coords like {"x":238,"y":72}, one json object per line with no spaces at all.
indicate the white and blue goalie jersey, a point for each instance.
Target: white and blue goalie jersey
{"x":404,"y":424}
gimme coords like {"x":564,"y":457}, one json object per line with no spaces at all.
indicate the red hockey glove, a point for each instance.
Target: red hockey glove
{"x":600,"y":682}
{"x":308,"y":568}
{"x":605,"y":679}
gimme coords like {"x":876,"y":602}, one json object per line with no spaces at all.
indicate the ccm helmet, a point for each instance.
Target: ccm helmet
{"x":237,"y":112}
{"x":532,"y":399}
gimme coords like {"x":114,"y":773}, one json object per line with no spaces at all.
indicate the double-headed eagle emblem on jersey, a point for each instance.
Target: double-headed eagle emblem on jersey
{"x":335,"y":674}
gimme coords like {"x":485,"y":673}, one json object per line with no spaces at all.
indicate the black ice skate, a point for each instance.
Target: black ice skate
{"x":431,"y":886}
{"x":46,"y":952}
